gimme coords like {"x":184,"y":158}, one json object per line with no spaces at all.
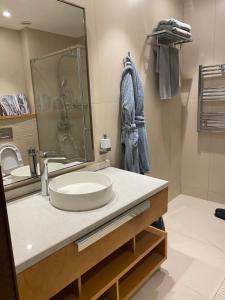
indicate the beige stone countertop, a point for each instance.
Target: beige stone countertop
{"x":38,"y":229}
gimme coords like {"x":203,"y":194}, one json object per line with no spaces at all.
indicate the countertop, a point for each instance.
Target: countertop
{"x":38,"y":229}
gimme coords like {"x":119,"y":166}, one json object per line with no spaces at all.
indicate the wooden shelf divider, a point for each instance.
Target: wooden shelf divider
{"x":137,"y":276}
{"x":124,"y":271}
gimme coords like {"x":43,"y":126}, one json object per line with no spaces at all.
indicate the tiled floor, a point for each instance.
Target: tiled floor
{"x":195,"y":269}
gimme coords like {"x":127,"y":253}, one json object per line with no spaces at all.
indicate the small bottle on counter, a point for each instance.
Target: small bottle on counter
{"x":32,"y":158}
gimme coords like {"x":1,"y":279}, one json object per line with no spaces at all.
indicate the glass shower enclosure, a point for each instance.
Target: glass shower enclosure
{"x":61,"y":96}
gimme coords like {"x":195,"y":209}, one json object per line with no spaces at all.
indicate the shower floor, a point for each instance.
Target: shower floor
{"x":195,"y":269}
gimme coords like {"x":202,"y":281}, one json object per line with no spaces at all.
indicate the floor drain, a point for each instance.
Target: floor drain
{"x":220,"y":295}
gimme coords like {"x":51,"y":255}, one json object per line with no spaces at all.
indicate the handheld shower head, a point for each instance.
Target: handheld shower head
{"x":63,"y":83}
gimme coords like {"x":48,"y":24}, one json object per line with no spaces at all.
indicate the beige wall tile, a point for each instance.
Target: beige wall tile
{"x":203,"y":155}
{"x":121,"y":26}
{"x":107,"y":122}
{"x":24,"y":135}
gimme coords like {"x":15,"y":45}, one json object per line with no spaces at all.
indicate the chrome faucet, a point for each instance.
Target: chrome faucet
{"x":44,"y":159}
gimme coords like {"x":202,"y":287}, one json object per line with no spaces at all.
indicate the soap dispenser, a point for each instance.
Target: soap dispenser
{"x":105,"y":144}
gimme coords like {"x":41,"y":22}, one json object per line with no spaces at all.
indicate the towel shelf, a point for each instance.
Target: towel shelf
{"x":211,"y":118}
{"x":168,"y":37}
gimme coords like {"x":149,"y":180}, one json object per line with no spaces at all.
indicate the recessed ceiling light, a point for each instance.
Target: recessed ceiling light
{"x":6,"y":14}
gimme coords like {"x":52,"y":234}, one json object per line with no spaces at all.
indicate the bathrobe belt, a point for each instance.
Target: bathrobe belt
{"x":133,"y":127}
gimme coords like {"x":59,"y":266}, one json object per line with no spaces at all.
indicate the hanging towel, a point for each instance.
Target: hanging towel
{"x":174,"y":71}
{"x":175,"y":23}
{"x":163,"y":70}
{"x":143,"y":148}
{"x":167,"y":67}
{"x":129,"y":132}
{"x":134,"y":137}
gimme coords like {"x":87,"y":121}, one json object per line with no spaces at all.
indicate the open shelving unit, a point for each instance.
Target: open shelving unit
{"x":119,"y":276}
{"x":169,"y":37}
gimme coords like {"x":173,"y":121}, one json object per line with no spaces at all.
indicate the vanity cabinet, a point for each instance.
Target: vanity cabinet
{"x":114,"y":267}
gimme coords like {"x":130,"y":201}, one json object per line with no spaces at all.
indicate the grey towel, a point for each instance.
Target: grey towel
{"x":163,"y":68}
{"x":174,"y":71}
{"x":175,"y":23}
{"x":167,"y":67}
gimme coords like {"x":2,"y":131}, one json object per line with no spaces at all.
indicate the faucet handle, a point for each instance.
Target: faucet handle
{"x":45,"y":154}
{"x":52,"y":158}
{"x":42,"y":154}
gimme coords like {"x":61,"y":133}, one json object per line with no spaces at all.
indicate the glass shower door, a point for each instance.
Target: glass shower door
{"x":61,"y":96}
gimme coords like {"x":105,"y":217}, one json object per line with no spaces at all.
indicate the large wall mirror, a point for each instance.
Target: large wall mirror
{"x":44,"y":87}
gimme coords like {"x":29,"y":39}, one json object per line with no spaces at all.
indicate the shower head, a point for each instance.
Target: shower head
{"x":63,"y":83}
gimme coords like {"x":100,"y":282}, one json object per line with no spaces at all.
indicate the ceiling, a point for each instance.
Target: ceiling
{"x":46,"y":15}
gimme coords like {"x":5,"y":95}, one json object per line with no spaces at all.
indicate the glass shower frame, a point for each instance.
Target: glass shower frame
{"x":74,"y":52}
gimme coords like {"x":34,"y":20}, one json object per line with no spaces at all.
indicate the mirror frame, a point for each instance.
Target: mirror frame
{"x":37,"y":179}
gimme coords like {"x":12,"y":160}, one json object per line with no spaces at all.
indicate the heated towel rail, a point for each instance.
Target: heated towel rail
{"x":211,"y":111}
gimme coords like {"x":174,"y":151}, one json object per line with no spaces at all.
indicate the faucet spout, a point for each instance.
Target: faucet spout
{"x":44,"y":160}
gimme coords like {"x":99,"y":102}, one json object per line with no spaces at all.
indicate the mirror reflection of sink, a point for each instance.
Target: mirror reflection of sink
{"x":25,"y":170}
{"x":80,"y":191}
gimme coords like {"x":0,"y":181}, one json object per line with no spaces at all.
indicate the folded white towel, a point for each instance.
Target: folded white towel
{"x":175,"y":23}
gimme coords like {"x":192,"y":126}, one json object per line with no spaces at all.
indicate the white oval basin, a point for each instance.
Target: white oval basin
{"x":80,"y":191}
{"x":25,"y":170}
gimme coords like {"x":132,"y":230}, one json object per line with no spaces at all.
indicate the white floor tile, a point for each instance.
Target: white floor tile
{"x":195,"y":267}
{"x":203,"y":279}
{"x":167,"y":292}
{"x":196,"y":249}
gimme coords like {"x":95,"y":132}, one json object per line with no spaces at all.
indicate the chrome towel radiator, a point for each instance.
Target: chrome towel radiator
{"x":211,"y":94}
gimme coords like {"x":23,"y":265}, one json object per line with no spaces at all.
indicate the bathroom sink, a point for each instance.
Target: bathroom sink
{"x":25,"y":170}
{"x":80,"y":191}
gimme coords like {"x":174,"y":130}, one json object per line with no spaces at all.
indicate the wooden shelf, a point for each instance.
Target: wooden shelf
{"x":18,"y":117}
{"x":122,"y":271}
{"x":137,"y":276}
{"x":117,"y":265}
